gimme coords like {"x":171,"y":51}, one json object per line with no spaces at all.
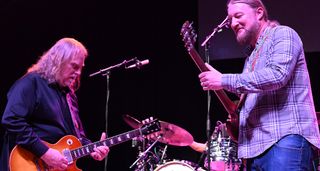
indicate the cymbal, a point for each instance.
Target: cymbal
{"x":131,"y":121}
{"x":170,"y":134}
{"x":174,"y":135}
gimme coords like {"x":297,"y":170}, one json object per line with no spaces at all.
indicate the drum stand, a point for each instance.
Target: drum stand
{"x":143,"y":154}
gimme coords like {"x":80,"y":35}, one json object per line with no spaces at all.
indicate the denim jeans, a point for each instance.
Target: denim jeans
{"x":291,"y":153}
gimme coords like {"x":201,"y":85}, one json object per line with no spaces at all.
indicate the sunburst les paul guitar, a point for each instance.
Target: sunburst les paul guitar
{"x":189,"y":38}
{"x":71,"y":148}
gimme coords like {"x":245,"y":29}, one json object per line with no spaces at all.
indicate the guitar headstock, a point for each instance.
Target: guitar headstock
{"x":188,"y":35}
{"x":151,"y":127}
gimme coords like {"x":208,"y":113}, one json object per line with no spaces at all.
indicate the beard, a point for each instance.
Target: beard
{"x":248,"y":35}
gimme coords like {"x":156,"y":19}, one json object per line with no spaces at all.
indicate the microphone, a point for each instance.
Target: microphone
{"x":138,"y":64}
{"x":225,"y":23}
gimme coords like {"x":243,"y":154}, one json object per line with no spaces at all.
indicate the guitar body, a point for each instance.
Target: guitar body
{"x":23,"y":160}
{"x":71,"y":148}
{"x":233,"y":128}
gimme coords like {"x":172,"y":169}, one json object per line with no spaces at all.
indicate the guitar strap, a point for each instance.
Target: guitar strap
{"x":73,"y":107}
{"x":257,"y":51}
{"x":241,"y":101}
{"x":66,"y":113}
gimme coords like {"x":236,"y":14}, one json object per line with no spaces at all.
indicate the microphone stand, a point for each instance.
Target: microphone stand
{"x":206,"y":44}
{"x":207,"y":55}
{"x":106,"y":72}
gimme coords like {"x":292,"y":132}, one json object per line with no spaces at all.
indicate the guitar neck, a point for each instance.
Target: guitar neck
{"x":87,"y":149}
{"x":224,"y":99}
{"x":197,"y":59}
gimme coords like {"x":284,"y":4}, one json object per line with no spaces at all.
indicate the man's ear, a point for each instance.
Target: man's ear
{"x":260,"y":13}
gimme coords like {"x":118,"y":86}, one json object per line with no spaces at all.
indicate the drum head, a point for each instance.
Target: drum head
{"x":174,"y":165}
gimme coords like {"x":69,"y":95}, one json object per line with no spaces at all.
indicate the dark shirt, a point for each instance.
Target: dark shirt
{"x":37,"y":110}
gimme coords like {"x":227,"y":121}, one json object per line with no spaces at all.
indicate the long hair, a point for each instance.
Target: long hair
{"x":253,"y":4}
{"x":51,"y":61}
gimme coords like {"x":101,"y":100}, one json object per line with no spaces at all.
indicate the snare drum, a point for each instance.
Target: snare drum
{"x":223,"y":155}
{"x":224,"y":166}
{"x":175,"y":165}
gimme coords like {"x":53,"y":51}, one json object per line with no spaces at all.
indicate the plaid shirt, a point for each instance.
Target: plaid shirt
{"x":279,"y":99}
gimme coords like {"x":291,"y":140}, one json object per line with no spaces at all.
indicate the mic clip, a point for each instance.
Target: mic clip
{"x":225,"y":23}
{"x":138,"y":64}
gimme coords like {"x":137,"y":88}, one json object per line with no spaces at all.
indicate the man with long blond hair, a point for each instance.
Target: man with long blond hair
{"x":42,"y":106}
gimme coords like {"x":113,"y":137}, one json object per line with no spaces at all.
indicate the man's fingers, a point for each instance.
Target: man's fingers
{"x":103,"y":136}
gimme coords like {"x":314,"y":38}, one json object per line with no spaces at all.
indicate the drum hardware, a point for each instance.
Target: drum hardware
{"x":147,"y":159}
{"x":203,"y":154}
{"x":147,"y":163}
{"x":150,"y":161}
{"x":142,"y":155}
{"x":163,"y":154}
{"x":169,"y":134}
{"x":140,"y":144}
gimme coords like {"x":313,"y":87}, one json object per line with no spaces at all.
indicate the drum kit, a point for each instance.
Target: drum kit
{"x":152,"y":155}
{"x":223,"y":151}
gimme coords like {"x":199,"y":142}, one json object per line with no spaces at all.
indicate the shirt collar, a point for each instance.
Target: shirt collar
{"x":65,"y":90}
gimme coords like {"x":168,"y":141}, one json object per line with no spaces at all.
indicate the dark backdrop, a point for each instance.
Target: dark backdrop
{"x":299,"y":15}
{"x":113,"y":31}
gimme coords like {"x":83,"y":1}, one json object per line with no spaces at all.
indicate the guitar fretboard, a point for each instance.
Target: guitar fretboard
{"x":87,"y":149}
